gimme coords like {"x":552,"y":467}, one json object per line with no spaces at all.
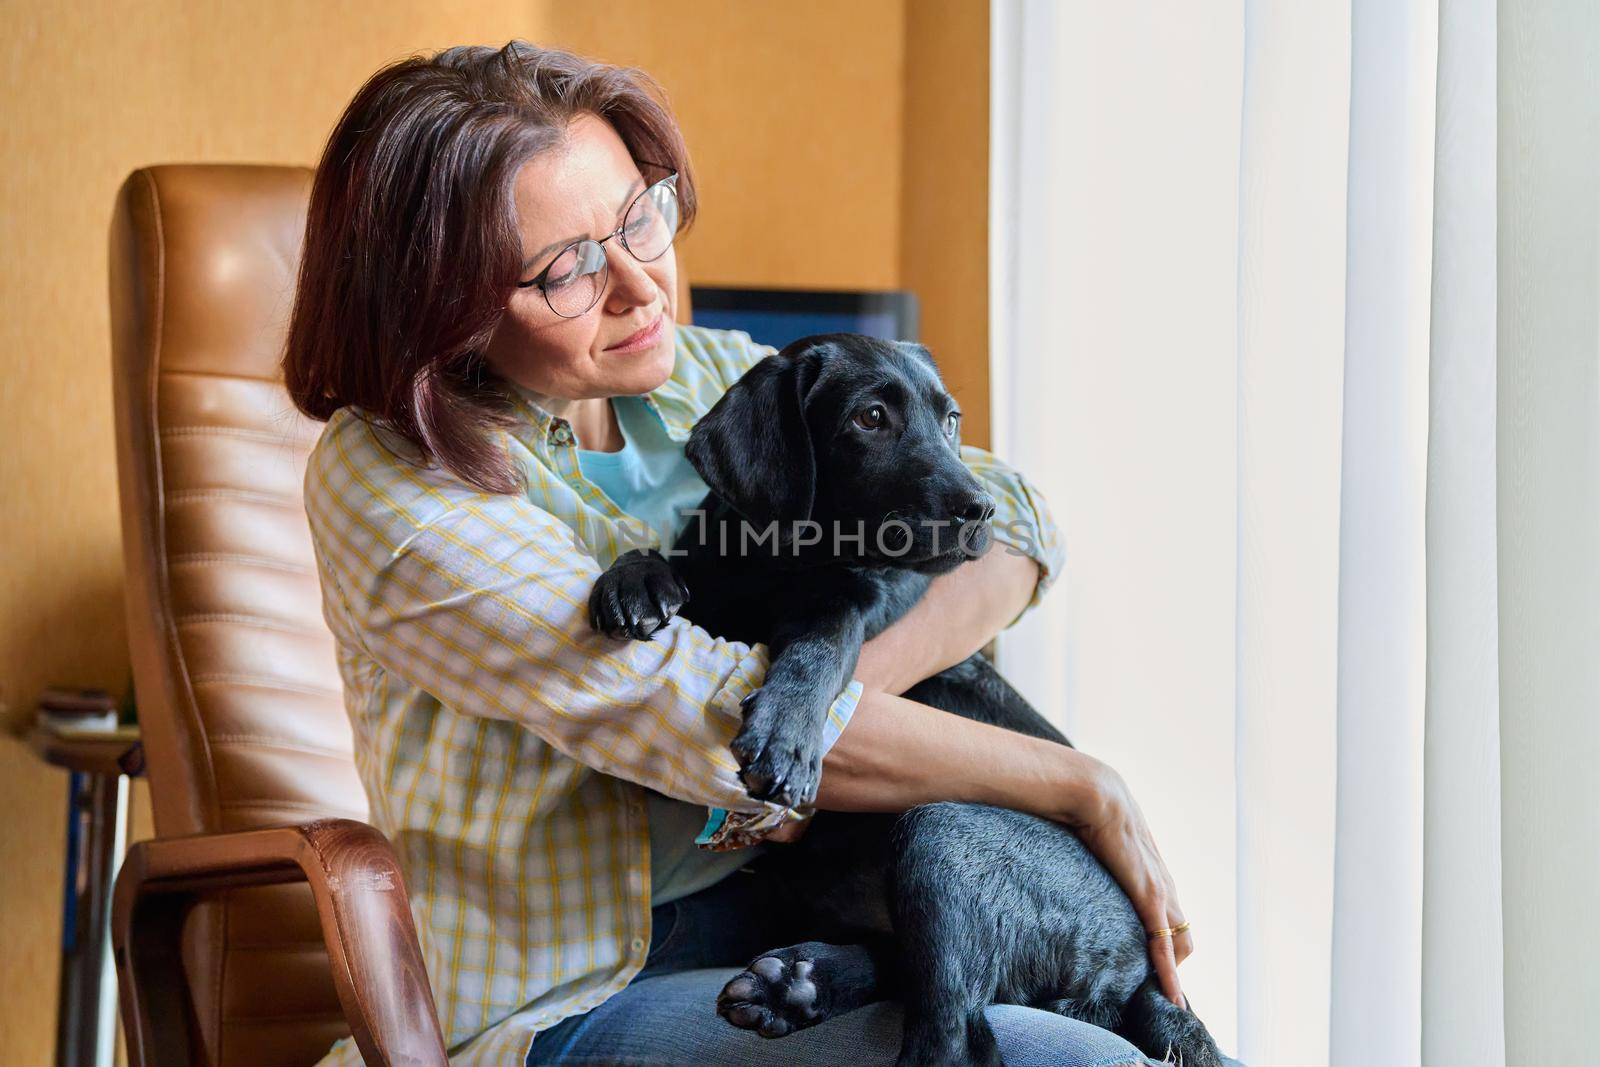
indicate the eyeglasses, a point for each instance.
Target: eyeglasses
{"x":575,"y":278}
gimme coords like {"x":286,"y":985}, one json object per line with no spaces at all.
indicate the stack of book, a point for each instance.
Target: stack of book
{"x":77,"y":711}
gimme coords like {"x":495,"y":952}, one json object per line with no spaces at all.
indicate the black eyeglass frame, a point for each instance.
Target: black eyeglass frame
{"x":539,"y":279}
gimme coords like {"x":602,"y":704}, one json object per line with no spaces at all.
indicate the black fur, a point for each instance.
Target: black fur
{"x":952,"y":907}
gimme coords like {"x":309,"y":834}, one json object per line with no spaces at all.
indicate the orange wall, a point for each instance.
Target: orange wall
{"x":839,"y":144}
{"x":792,"y":113}
{"x":944,"y":202}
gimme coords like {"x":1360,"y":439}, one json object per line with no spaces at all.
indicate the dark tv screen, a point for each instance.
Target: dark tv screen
{"x":777,"y":316}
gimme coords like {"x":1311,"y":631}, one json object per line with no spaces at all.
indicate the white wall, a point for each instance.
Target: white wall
{"x":1136,"y":351}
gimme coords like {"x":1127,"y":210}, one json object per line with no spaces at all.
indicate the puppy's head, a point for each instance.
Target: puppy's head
{"x":856,"y":434}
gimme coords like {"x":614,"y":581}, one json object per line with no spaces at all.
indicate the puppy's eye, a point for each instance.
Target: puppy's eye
{"x":871,"y":418}
{"x":951,"y":422}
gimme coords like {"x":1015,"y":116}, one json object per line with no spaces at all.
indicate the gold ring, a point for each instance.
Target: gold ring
{"x":1169,"y":931}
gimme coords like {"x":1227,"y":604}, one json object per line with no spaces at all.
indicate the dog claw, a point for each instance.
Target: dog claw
{"x":746,"y":1016}
{"x":742,"y":988}
{"x":772,"y":765}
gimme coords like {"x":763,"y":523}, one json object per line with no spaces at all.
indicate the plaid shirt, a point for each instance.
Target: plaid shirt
{"x":502,"y":744}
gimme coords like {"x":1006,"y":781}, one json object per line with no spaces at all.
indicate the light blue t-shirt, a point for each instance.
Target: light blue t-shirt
{"x":652,"y":480}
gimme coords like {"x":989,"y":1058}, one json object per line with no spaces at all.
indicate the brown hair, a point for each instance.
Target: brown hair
{"x":412,"y":246}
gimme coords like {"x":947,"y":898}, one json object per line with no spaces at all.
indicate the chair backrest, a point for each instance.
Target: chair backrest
{"x":238,"y":691}
{"x":234,"y":672}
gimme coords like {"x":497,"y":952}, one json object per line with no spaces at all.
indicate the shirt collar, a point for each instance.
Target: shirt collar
{"x":555,"y":430}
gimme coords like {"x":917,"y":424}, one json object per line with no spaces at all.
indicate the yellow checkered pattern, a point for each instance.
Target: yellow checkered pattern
{"x":502,"y":744}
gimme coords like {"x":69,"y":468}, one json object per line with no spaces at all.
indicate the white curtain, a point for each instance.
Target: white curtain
{"x":1255,"y":325}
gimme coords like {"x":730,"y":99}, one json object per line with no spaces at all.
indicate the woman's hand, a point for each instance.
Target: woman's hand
{"x":1115,"y":831}
{"x":896,"y":754}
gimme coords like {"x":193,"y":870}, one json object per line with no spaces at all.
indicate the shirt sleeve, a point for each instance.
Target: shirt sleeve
{"x":481,"y":600}
{"x":1022,"y":522}
{"x":733,"y":352}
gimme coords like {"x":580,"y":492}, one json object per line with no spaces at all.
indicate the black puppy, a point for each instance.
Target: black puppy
{"x":837,"y":491}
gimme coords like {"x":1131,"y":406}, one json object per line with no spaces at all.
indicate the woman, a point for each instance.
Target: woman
{"x":486,"y":318}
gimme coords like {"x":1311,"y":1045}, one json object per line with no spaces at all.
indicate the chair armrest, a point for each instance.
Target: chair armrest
{"x":366,"y":924}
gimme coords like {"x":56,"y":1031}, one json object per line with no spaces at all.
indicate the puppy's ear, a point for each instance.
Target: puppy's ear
{"x":753,"y":448}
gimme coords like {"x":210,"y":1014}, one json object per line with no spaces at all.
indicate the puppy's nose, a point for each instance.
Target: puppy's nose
{"x":979,"y":508}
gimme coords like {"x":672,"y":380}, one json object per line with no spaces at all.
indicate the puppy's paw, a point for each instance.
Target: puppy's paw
{"x":774,"y":996}
{"x":778,"y":749}
{"x":636,"y":596}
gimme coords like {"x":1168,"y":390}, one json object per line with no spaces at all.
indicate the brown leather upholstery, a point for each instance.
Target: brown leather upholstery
{"x":238,"y":692}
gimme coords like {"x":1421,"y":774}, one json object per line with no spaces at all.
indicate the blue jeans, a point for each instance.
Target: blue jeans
{"x":666,"y":1017}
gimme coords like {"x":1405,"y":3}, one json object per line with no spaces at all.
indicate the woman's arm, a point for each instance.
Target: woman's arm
{"x":898,"y":753}
{"x":959,"y":614}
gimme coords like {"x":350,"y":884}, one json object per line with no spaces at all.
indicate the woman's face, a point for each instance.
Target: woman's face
{"x":580,"y":188}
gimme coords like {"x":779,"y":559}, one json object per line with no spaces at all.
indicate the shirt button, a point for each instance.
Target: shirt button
{"x":561,"y":434}
{"x":637,"y":944}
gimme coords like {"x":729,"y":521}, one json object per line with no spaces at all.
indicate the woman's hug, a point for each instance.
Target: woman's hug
{"x":544,"y":710}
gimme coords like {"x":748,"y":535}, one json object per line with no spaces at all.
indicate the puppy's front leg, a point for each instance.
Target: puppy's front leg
{"x":812,"y":656}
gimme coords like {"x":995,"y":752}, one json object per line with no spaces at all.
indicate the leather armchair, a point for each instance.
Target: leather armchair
{"x":267,"y":918}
